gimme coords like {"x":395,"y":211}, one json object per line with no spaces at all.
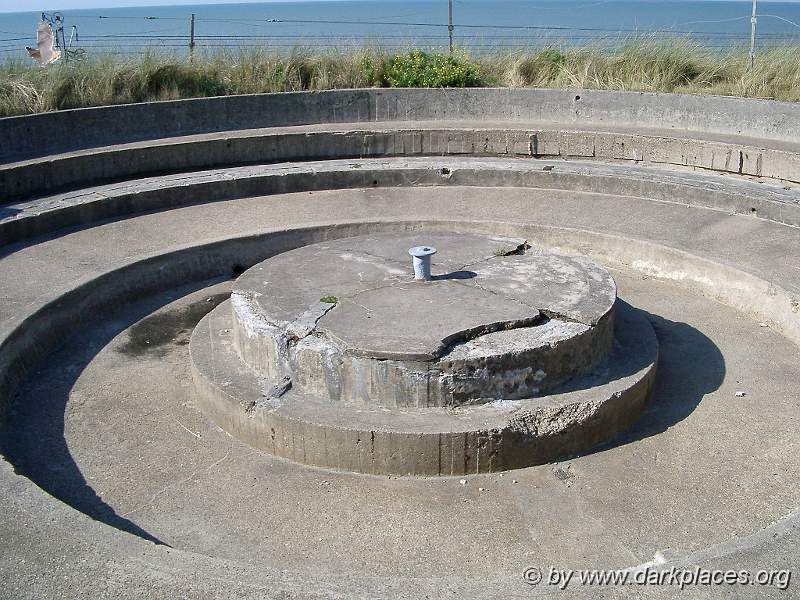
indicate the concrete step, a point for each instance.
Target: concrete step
{"x":45,"y":215}
{"x":697,"y":150}
{"x":427,"y":441}
{"x":64,"y":131}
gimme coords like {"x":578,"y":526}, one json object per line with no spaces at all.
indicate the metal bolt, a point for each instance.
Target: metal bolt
{"x":422,"y":261}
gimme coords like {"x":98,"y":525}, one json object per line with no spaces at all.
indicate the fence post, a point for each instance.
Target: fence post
{"x":450,"y":22}
{"x":753,"y":21}
{"x":191,"y":39}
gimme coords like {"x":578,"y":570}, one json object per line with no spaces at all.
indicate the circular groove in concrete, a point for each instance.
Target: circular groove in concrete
{"x":730,"y":194}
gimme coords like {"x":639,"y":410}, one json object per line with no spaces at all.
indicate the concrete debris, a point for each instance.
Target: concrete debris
{"x":280,"y":388}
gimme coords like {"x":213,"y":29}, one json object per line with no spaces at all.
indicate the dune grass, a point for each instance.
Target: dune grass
{"x":646,"y":65}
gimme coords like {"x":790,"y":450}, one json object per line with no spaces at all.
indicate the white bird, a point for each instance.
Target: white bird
{"x":44,"y":53}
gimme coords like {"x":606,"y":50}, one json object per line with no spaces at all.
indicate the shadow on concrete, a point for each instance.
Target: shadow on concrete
{"x":7,"y":249}
{"x":455,"y":275}
{"x":6,"y":212}
{"x":690,"y":365}
{"x":32,"y":436}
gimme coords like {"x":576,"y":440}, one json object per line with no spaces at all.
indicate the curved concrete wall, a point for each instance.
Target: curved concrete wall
{"x":115,"y":201}
{"x":48,"y":133}
{"x":652,"y":219}
{"x":73,"y":170}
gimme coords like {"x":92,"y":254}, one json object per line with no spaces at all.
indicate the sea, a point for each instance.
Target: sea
{"x":478,"y":25}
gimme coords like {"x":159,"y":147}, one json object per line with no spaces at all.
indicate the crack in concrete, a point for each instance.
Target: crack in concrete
{"x":462,"y":337}
{"x":395,"y":283}
{"x":471,"y":283}
{"x":274,"y":393}
{"x":303,"y":325}
{"x":382,"y":258}
{"x":519,"y":250}
{"x":155,"y":496}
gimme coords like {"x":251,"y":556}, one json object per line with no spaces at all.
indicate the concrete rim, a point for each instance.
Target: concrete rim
{"x":476,"y":439}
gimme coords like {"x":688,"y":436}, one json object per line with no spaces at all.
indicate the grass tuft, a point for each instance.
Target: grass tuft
{"x":644,"y":64}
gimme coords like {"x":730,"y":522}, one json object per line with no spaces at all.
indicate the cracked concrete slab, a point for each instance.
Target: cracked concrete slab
{"x":480,"y":284}
{"x":310,"y":425}
{"x":387,"y":339}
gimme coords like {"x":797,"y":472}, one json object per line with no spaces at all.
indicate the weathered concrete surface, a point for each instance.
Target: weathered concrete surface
{"x":243,"y":523}
{"x":388,"y":339}
{"x":707,"y":476}
{"x":744,"y":273}
{"x":283,"y":287}
{"x":304,"y":425}
{"x":32,"y":218}
{"x":41,"y":134}
{"x":113,"y":572}
{"x":765,"y":158}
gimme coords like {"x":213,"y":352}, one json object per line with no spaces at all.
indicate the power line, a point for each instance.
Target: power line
{"x":127,"y":17}
{"x":260,"y":21}
{"x":301,"y":38}
{"x":782,"y":19}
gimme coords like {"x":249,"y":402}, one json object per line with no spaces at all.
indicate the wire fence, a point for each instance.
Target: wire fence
{"x":186,"y":33}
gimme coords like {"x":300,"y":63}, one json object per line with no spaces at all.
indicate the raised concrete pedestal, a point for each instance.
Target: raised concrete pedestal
{"x":333,"y":355}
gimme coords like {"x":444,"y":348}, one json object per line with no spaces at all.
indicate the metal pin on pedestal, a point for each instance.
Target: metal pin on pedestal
{"x":422,"y":261}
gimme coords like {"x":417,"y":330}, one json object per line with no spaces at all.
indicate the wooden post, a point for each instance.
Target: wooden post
{"x":450,"y":22}
{"x":753,"y":21}
{"x":191,"y":39}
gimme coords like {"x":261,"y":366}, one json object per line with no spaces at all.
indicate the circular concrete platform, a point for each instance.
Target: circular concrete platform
{"x":333,"y":355}
{"x":345,"y":319}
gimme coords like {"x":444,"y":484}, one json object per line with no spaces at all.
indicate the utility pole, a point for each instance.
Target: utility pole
{"x":191,"y":39}
{"x":753,"y":21}
{"x":450,"y":21}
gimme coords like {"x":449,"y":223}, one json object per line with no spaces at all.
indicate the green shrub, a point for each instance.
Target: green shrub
{"x":373,"y":68}
{"x":422,"y":69}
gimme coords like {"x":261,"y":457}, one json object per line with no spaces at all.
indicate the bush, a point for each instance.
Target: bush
{"x":421,"y":69}
{"x":373,"y":66}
